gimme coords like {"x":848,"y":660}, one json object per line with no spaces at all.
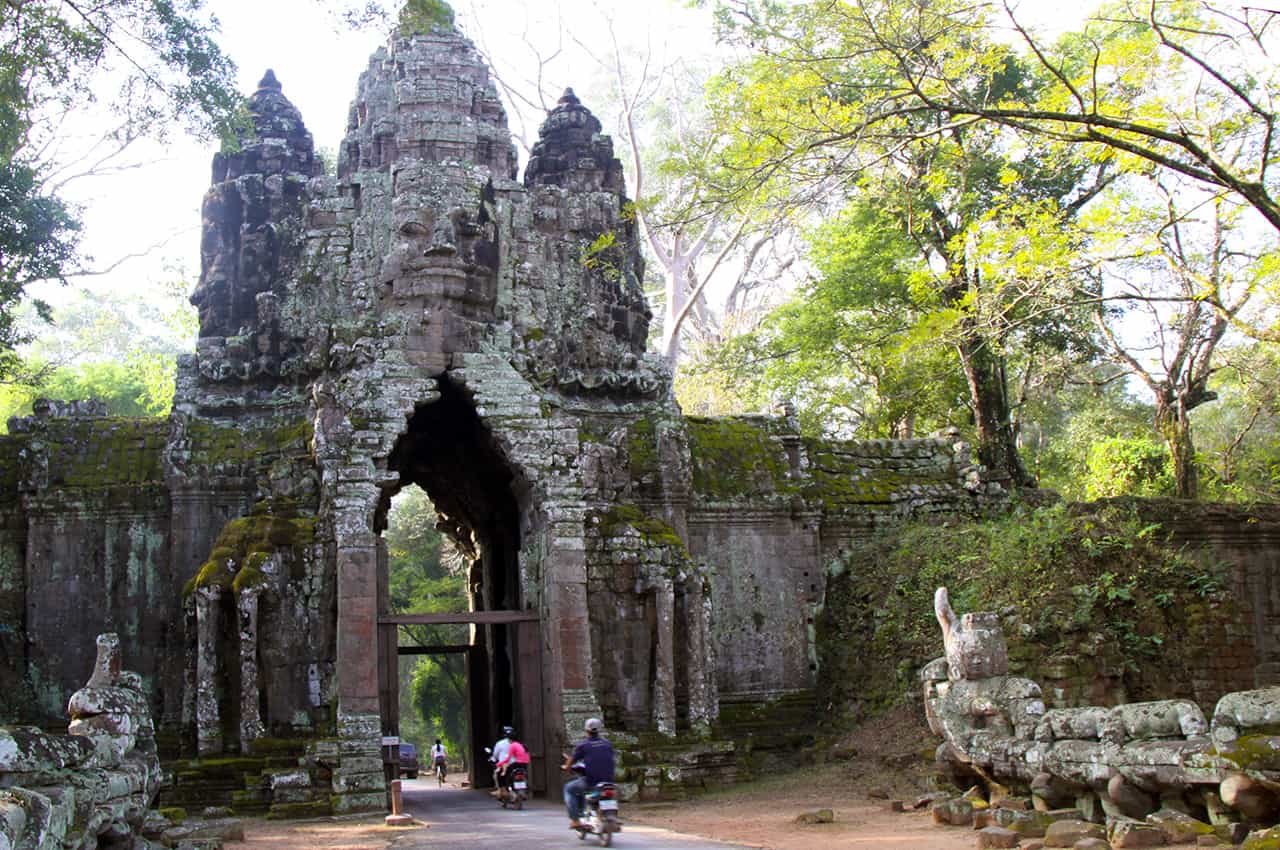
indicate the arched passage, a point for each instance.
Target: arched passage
{"x":449,"y":452}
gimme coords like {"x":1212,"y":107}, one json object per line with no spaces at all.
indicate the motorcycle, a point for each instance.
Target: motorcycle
{"x":517,"y":792}
{"x":600,"y":812}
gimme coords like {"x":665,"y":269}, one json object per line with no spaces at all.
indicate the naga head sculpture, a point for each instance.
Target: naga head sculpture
{"x":975,"y":642}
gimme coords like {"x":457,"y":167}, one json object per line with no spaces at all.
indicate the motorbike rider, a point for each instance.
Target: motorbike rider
{"x":499,"y":754}
{"x":517,"y":755}
{"x":438,"y":755}
{"x":593,"y":759}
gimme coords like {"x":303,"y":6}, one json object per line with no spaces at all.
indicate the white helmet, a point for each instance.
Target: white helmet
{"x":593,"y":724}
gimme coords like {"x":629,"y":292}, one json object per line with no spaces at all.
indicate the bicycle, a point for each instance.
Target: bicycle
{"x":440,"y":771}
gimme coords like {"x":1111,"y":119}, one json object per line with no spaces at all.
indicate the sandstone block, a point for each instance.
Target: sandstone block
{"x":957,"y":812}
{"x":996,"y":836}
{"x":1091,"y":844}
{"x":1263,"y":839}
{"x":1179,"y":827}
{"x":818,"y":816}
{"x":1124,"y":832}
{"x":1065,"y":833}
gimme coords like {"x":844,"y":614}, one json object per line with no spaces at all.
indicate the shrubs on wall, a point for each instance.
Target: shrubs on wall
{"x":1093,"y":584}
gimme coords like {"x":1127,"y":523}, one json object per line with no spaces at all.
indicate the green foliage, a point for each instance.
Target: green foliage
{"x":1239,"y":435}
{"x":420,"y":16}
{"x":1128,"y":466}
{"x":423,"y":579}
{"x":54,"y":58}
{"x":1068,"y":578}
{"x":117,"y":349}
{"x":38,"y":240}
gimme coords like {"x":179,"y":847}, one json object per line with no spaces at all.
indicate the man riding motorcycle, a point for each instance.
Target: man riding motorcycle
{"x":593,"y":758}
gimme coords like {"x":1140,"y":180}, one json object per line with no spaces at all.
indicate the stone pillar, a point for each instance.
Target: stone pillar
{"x":250,"y":715}
{"x":208,"y":720}
{"x":699,"y":661}
{"x":568,"y":665}
{"x":358,"y":781}
{"x":664,"y":679}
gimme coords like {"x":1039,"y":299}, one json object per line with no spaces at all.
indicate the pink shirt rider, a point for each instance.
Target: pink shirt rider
{"x":515,"y":753}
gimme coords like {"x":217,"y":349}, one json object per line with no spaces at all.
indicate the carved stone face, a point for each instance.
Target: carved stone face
{"x":441,"y":261}
{"x":976,"y":649}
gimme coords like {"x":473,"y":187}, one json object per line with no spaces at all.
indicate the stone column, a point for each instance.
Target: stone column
{"x":208,"y":720}
{"x":699,"y":662}
{"x":568,"y":666}
{"x":250,"y":715}
{"x":358,"y":781}
{"x":664,"y":678}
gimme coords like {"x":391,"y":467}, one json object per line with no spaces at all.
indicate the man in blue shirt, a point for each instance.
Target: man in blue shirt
{"x":593,"y":758}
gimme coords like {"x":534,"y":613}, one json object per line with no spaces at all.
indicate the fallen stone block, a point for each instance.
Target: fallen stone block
{"x":957,"y":812}
{"x":1126,"y":832}
{"x":219,"y":829}
{"x":1179,"y":827}
{"x":997,"y":836}
{"x":1065,"y":833}
{"x":819,"y":816}
{"x":1263,"y":839}
{"x":1210,"y":841}
{"x":1091,"y":844}
{"x":929,"y":799}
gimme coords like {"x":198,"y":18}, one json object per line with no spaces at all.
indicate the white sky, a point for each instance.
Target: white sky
{"x":318,"y":61}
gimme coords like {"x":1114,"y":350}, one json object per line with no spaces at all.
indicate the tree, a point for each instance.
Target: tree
{"x":1183,"y":266}
{"x":1239,"y":443}
{"x":424,"y":578}
{"x":104,"y":346}
{"x":54,"y":58}
{"x":1173,"y":84}
{"x":694,"y":237}
{"x":980,"y":208}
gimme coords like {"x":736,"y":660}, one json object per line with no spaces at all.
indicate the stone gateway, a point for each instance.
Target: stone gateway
{"x":422,"y":317}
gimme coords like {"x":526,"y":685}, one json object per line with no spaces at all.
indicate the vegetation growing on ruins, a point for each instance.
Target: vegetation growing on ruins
{"x":1093,"y":581}
{"x":422,"y":15}
{"x":245,"y":544}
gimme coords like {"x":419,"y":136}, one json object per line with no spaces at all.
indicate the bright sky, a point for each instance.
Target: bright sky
{"x":318,"y":61}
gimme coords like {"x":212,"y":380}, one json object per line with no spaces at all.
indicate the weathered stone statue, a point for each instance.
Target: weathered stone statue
{"x":92,"y":787}
{"x":1123,"y":762}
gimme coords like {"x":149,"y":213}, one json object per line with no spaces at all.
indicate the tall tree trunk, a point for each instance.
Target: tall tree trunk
{"x":989,"y":395}
{"x":1174,"y":426}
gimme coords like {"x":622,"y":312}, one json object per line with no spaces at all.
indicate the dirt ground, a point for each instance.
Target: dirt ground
{"x":881,"y":762}
{"x":877,"y":764}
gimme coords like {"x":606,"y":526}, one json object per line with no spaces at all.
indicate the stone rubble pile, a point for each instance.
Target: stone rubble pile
{"x":1138,"y":775}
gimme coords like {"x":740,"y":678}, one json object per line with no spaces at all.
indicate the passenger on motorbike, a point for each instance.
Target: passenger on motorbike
{"x":593,"y":759}
{"x":516,"y":755}
{"x":498,"y":755}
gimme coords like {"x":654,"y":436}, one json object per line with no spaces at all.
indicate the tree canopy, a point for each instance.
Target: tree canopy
{"x":151,"y":65}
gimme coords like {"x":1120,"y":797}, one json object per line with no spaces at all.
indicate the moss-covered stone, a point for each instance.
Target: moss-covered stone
{"x":245,"y":544}
{"x":736,"y":459}
{"x":622,"y":517}
{"x":217,"y":446}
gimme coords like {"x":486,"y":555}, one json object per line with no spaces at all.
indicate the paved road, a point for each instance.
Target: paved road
{"x":472,"y":820}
